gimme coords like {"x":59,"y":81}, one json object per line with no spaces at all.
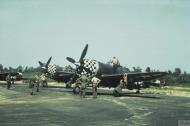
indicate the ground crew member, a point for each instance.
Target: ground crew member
{"x":122,"y":84}
{"x":44,"y":80}
{"x":95,"y":81}
{"x":32,"y":84}
{"x":125,"y":80}
{"x":8,"y":79}
{"x":37,"y":80}
{"x":84,"y":81}
{"x":77,"y":85}
{"x":115,"y":63}
{"x":119,"y":88}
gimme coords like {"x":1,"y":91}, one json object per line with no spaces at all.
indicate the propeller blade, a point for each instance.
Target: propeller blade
{"x":49,"y":60}
{"x":83,"y":53}
{"x":71,"y":60}
{"x":41,"y":64}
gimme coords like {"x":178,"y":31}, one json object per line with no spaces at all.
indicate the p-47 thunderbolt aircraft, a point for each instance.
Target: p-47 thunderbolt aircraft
{"x":55,"y":72}
{"x":110,"y":77}
{"x":16,"y":76}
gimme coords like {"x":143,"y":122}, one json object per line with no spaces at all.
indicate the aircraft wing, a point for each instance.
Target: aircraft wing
{"x":62,"y":76}
{"x":3,"y":76}
{"x":63,"y":73}
{"x":146,"y":76}
{"x":136,"y":76}
{"x":16,"y":75}
{"x":115,"y":78}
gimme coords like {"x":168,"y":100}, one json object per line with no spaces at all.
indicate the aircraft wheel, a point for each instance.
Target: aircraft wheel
{"x":116,"y":93}
{"x":76,"y":90}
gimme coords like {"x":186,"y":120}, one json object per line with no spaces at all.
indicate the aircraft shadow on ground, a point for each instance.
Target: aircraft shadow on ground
{"x":141,"y":95}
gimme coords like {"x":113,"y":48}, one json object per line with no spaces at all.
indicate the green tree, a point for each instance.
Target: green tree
{"x":5,"y":69}
{"x":26,"y":69}
{"x":137,"y":69}
{"x":1,"y":68}
{"x":20,"y":69}
{"x":126,"y":69}
{"x":184,"y":76}
{"x":148,"y":69}
{"x":10,"y":69}
{"x":177,"y":71}
{"x":177,"y":75}
{"x":169,"y":72}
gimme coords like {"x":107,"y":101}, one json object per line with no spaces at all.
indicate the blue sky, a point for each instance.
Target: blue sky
{"x":139,"y":32}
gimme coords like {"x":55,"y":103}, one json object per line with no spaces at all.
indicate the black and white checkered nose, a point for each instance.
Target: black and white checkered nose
{"x":51,"y":70}
{"x":92,"y":65}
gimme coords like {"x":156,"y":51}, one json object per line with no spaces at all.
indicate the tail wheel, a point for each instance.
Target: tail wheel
{"x":76,"y":90}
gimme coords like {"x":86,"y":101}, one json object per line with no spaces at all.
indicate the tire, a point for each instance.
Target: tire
{"x":76,"y":90}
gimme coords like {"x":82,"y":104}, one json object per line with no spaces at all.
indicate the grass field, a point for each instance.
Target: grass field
{"x":174,"y":90}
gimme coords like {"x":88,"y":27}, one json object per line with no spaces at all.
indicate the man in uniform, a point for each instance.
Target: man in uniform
{"x":77,"y":85}
{"x":125,"y":79}
{"x":37,"y":80}
{"x":8,"y":79}
{"x":115,"y":63}
{"x":122,"y":84}
{"x":32,"y":84}
{"x":95,"y":81}
{"x":44,"y":80}
{"x":83,"y":81}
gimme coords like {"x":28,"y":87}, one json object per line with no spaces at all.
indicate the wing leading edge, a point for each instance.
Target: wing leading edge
{"x":133,"y":76}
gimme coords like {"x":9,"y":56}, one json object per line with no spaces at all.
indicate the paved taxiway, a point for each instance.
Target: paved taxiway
{"x":59,"y":107}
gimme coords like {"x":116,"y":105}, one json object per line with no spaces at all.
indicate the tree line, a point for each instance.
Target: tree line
{"x":23,"y":69}
{"x":18,"y":69}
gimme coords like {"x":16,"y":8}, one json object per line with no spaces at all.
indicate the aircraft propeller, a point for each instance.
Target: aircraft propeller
{"x":81,"y":57}
{"x":44,"y":66}
{"x":79,"y":65}
{"x":71,"y":60}
{"x":83,"y":53}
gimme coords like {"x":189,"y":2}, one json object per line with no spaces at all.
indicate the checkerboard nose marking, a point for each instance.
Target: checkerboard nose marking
{"x":91,"y":65}
{"x":51,"y":69}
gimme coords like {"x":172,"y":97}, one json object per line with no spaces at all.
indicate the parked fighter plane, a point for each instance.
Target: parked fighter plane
{"x":16,"y":76}
{"x":55,"y":72}
{"x":109,"y":77}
